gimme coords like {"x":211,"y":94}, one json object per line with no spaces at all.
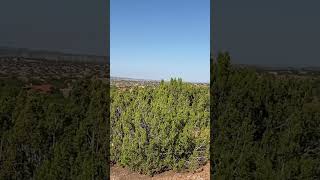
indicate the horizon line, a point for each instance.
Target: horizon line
{"x":159,"y":80}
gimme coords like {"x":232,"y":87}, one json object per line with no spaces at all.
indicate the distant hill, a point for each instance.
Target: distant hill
{"x":130,"y":79}
{"x":50,"y":55}
{"x":276,"y":68}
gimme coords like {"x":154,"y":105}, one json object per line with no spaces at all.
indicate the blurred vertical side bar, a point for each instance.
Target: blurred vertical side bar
{"x":107,"y":73}
{"x":211,"y":83}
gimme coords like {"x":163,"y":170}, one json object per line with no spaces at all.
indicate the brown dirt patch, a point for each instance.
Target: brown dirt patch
{"x":119,"y":173}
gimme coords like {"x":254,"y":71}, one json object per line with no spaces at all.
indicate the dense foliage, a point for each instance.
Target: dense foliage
{"x":154,"y":129}
{"x":47,"y":136}
{"x":263,"y":126}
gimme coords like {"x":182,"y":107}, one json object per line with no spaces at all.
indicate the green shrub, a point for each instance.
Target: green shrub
{"x":263,"y":126}
{"x":47,"y":136}
{"x":159,"y":128}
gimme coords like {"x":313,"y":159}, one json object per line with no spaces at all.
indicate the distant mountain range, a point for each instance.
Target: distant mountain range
{"x":113,"y":78}
{"x":49,"y":55}
{"x":282,"y":68}
{"x":130,"y":79}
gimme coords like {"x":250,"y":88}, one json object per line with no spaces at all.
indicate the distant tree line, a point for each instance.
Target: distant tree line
{"x":263,"y":126}
{"x":154,"y":129}
{"x":47,"y":136}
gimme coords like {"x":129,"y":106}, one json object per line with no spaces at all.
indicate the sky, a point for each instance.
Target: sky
{"x":70,"y":26}
{"x":268,"y":32}
{"x":160,"y":39}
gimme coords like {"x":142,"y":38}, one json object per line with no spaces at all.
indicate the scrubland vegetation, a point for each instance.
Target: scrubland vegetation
{"x":157,"y":128}
{"x":263,"y":126}
{"x":256,"y":125}
{"x":47,"y":136}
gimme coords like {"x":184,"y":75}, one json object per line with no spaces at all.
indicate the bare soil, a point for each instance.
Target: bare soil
{"x":119,"y":173}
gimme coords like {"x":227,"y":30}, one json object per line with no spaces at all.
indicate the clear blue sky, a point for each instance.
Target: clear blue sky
{"x":160,"y":39}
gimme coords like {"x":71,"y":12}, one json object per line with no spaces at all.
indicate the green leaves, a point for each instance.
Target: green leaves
{"x":45,"y":136}
{"x":264,"y":127}
{"x":156,"y":129}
